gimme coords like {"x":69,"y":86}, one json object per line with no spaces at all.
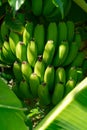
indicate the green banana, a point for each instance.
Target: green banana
{"x":61,"y":54}
{"x":9,"y":57}
{"x":4,"y":31}
{"x":60,"y":75}
{"x":52,"y":32}
{"x":32,"y":53}
{"x":28,"y":32}
{"x":13,"y":40}
{"x":37,"y":7}
{"x":72,"y":73}
{"x":78,"y":61}
{"x":48,"y":7}
{"x":70,"y":30}
{"x":34,"y":84}
{"x":78,"y":39}
{"x":73,"y":50}
{"x":39,"y":68}
{"x":49,"y":77}
{"x":62,"y":31}
{"x":70,"y":84}
{"x":55,"y":15}
{"x":57,"y":93}
{"x":17,"y":71}
{"x":80,"y":74}
{"x":39,"y":37}
{"x":26,"y":70}
{"x":48,"y":52}
{"x":21,"y":51}
{"x":24,"y":90}
{"x":43,"y":94}
{"x":3,"y":59}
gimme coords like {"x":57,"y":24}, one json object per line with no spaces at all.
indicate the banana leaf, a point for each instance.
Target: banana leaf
{"x":70,"y":113}
{"x":12,"y":115}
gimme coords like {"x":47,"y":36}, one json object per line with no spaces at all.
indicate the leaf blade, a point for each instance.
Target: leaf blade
{"x":63,"y":112}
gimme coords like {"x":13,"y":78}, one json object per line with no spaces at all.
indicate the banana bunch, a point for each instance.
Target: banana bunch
{"x":47,"y":62}
{"x":48,"y":9}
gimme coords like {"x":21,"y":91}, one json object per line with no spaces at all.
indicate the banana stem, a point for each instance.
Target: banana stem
{"x":82,"y":4}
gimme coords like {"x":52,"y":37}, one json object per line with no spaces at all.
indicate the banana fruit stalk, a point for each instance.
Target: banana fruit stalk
{"x":49,"y":52}
{"x":17,"y":71}
{"x":21,"y":52}
{"x":58,"y":93}
{"x":49,"y":77}
{"x":26,"y":70}
{"x":13,"y":40}
{"x":61,"y":53}
{"x":32,"y":53}
{"x":28,"y":32}
{"x":60,"y":75}
{"x":43,"y":94}
{"x":39,"y":68}
{"x":34,"y":84}
{"x":39,"y":37}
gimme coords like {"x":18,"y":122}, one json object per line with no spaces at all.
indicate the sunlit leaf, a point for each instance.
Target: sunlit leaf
{"x":70,"y":114}
{"x":11,"y":120}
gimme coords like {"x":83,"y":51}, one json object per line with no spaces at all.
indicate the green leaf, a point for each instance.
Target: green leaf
{"x":8,"y":99}
{"x":59,"y":3}
{"x":14,"y":23}
{"x":15,"y":4}
{"x":73,"y":14}
{"x":12,"y":116}
{"x":82,"y":4}
{"x":70,"y":113}
{"x":11,"y":120}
